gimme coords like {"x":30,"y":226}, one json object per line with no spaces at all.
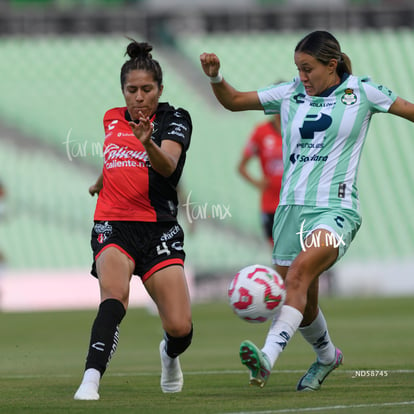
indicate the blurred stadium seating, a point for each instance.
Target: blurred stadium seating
{"x":55,"y":90}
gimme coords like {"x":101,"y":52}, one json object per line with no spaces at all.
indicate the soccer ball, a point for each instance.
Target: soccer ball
{"x":256,"y":293}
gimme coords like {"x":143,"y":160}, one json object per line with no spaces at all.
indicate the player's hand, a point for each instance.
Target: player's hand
{"x":263,"y":184}
{"x":210,"y":64}
{"x":143,"y":129}
{"x":94,"y":189}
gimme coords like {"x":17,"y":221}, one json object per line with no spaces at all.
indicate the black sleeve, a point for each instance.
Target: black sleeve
{"x":178,"y":128}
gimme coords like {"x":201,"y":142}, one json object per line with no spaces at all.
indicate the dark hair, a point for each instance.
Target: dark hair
{"x":140,"y":59}
{"x":323,"y":46}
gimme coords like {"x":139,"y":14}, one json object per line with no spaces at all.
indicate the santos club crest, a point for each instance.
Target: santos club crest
{"x":349,"y":98}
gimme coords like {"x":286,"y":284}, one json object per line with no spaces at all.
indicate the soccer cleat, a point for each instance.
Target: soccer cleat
{"x":171,"y":375}
{"x":257,"y":363}
{"x":88,"y":390}
{"x":317,"y":373}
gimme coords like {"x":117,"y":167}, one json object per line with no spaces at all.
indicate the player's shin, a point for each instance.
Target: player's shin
{"x":318,"y":336}
{"x":103,"y":343}
{"x":105,"y":334}
{"x":281,"y":331}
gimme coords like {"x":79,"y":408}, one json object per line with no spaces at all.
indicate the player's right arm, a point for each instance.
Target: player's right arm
{"x":229,"y":97}
{"x":244,"y":172}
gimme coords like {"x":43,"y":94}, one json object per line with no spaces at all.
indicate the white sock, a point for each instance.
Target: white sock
{"x":318,"y":336}
{"x":282,"y":329}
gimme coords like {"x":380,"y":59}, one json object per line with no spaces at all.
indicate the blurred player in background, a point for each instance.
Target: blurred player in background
{"x":265,"y":143}
{"x":325,"y":115}
{"x":136,"y":230}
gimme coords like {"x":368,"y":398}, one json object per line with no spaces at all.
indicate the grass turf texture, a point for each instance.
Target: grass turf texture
{"x":42,"y":356}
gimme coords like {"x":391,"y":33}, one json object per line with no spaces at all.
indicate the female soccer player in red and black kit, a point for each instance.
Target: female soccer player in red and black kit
{"x":135,"y":228}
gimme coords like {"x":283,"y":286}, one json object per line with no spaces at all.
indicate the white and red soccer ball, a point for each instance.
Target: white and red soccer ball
{"x":256,"y":293}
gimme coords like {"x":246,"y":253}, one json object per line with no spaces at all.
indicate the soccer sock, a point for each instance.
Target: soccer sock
{"x":282,"y":329}
{"x":318,"y":336}
{"x":176,"y":346}
{"x":105,"y":334}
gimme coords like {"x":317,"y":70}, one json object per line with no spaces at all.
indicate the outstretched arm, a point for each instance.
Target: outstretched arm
{"x":229,"y":97}
{"x":402,"y":108}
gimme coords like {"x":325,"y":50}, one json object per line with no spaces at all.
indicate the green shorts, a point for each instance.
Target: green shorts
{"x":293,"y":224}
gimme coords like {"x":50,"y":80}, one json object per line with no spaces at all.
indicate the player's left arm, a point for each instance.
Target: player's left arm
{"x":402,"y":108}
{"x":172,"y":152}
{"x":164,"y":158}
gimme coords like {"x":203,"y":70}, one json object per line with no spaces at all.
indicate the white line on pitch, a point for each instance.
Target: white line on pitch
{"x":328,"y":408}
{"x":188,"y":373}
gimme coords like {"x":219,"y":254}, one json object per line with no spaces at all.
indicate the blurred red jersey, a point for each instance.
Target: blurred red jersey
{"x":266,"y":143}
{"x":132,"y":190}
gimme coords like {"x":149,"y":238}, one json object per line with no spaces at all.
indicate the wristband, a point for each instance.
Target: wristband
{"x":216,"y":79}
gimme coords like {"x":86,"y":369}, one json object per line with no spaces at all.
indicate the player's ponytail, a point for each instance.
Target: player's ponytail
{"x":140,"y":58}
{"x":344,"y":65}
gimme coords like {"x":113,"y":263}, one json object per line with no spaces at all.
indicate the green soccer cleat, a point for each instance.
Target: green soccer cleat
{"x":257,"y":363}
{"x":317,"y":373}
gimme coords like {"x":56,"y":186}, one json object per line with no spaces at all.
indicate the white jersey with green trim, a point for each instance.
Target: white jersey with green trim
{"x":323,"y":138}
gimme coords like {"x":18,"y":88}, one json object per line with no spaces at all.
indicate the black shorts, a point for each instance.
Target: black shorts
{"x":267,"y":223}
{"x":150,"y":245}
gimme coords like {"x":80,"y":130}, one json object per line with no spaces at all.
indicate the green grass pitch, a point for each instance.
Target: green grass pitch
{"x":42,"y":356}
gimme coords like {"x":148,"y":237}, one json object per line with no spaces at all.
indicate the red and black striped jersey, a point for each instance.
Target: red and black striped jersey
{"x":132,"y":190}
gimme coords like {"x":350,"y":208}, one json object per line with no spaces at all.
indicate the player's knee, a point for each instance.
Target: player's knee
{"x":295,"y":280}
{"x":176,"y":345}
{"x":179,"y":329}
{"x":302,"y":273}
{"x":121,"y":296}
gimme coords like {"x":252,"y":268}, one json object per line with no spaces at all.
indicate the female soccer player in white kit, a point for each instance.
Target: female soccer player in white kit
{"x":325,"y":115}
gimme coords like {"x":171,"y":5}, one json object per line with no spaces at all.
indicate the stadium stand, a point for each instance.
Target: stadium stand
{"x":56,"y":89}
{"x":48,"y":208}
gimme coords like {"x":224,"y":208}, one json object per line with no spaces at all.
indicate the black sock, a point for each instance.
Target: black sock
{"x":176,"y":346}
{"x":105,"y":334}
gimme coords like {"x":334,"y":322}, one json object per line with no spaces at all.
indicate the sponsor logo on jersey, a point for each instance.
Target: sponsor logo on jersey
{"x":309,"y":145}
{"x":123,"y":134}
{"x":178,"y":130}
{"x":314,"y":123}
{"x":171,"y":233}
{"x":298,"y":98}
{"x":294,"y":158}
{"x":114,"y":151}
{"x":322,"y":104}
{"x":122,"y":156}
{"x":385,"y":90}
